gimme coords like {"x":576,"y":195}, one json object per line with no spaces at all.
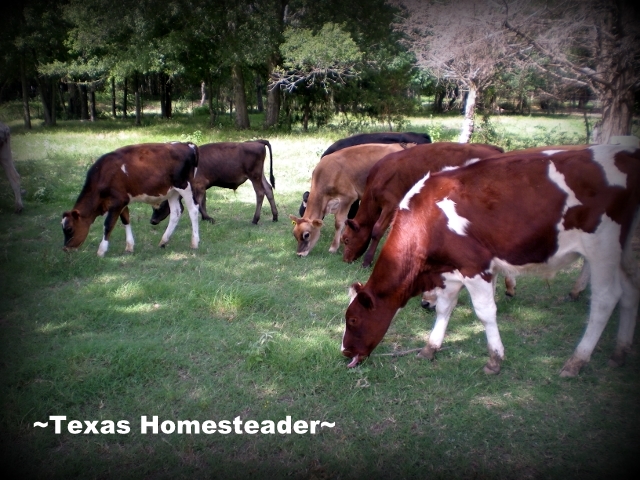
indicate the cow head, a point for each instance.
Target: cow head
{"x":366,"y":321}
{"x":75,"y":229}
{"x":355,"y":239}
{"x":307,"y":233}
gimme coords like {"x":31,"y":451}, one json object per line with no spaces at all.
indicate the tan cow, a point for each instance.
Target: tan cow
{"x":337,"y":181}
{"x":7,"y":162}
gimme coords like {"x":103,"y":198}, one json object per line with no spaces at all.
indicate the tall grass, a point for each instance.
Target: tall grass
{"x":242,"y":327}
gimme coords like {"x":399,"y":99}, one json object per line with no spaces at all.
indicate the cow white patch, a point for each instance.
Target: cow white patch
{"x":471,"y":161}
{"x":404,"y":203}
{"x":455,"y":222}
{"x":605,"y":156}
{"x":150,"y":199}
{"x":558,"y":178}
{"x":552,"y":152}
{"x":124,"y":169}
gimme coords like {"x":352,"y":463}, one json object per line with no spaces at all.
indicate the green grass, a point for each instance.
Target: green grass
{"x":242,"y":327}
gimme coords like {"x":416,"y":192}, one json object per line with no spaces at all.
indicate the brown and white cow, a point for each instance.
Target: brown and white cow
{"x":337,"y":181}
{"x":389,"y":180}
{"x":518,"y":213}
{"x":149,"y":173}
{"x":406,"y":138}
{"x":229,"y":165}
{"x":7,"y":163}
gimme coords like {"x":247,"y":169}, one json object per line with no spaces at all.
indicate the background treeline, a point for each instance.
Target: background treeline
{"x":302,"y":62}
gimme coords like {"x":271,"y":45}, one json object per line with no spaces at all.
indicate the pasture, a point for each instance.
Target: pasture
{"x":244,"y":328}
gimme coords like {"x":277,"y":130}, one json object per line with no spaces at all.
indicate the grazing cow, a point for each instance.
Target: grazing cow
{"x":516,"y":213}
{"x":389,"y":180}
{"x":7,"y":162}
{"x":362,"y":138}
{"x":337,"y":181}
{"x":148,"y":173}
{"x":229,"y":165}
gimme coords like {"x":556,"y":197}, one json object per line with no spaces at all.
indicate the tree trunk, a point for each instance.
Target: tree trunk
{"x":84,"y":103}
{"x":260,"y":103}
{"x":92,"y":110}
{"x":203,"y":94}
{"x":124,"y":99}
{"x":617,"y":110}
{"x":113,"y":97}
{"x":469,"y":112}
{"x":138,"y":102}
{"x":273,"y":100}
{"x":45,"y":87}
{"x":167,"y":97}
{"x":163,"y":96}
{"x":25,"y":96}
{"x":242,"y":116}
{"x":54,"y":99}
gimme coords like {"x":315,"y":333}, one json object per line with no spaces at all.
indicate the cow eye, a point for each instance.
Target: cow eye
{"x":352,"y":321}
{"x":345,"y":241}
{"x":305,"y":236}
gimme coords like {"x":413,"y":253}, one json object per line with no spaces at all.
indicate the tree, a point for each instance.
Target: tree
{"x":457,"y":40}
{"x":586,"y":43}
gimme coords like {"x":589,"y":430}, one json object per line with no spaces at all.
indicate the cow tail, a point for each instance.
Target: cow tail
{"x":272,"y":179}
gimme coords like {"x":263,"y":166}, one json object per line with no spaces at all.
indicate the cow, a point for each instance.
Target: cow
{"x":405,"y":138}
{"x":516,"y":213}
{"x":148,"y":173}
{"x":229,"y":165}
{"x":7,"y":163}
{"x":337,"y":181}
{"x":389,"y":180}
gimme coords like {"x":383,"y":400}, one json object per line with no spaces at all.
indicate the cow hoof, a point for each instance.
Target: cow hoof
{"x":275,"y":218}
{"x":209,"y":219}
{"x":574,"y":297}
{"x":427,"y":352}
{"x":163,"y":245}
{"x":572,"y":368}
{"x":491,"y":369}
{"x":617,"y":359}
{"x":509,"y":294}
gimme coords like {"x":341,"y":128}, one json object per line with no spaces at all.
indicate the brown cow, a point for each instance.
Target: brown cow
{"x":536,"y":213}
{"x":337,"y":181}
{"x":389,"y":180}
{"x":229,"y":165}
{"x":7,"y":163}
{"x":148,"y":173}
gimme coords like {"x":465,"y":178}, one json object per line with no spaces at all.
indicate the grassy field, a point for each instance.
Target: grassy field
{"x":242,"y":328}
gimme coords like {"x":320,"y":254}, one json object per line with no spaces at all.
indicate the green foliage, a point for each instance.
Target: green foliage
{"x":331,"y":48}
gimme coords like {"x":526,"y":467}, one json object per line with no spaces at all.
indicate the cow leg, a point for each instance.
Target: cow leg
{"x":174,"y":217}
{"x":340,"y":220}
{"x":192,"y":208}
{"x":124,"y":217}
{"x":200,"y":197}
{"x":272,"y":201}
{"x":260,"y":191}
{"x":628,"y":310}
{"x":377,"y":232}
{"x":447,"y":298}
{"x":510,"y":286}
{"x":482,"y":294}
{"x":109,"y":224}
{"x":581,"y":282}
{"x":606,"y":290}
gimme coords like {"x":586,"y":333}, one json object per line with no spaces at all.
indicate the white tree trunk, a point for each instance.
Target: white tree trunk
{"x":469,"y":112}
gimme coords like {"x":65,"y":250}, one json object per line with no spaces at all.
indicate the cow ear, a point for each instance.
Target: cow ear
{"x":353,"y":290}
{"x":353,"y":225}
{"x":317,"y":223}
{"x":365,"y":300}
{"x":295,"y":220}
{"x":75,"y":214}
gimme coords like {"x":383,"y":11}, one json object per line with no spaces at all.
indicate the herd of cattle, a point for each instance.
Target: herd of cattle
{"x":456,"y":214}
